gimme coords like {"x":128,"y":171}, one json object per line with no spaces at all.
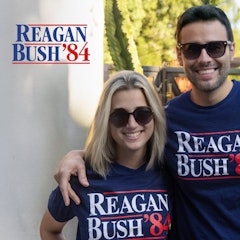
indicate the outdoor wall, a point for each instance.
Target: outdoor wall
{"x":44,"y":112}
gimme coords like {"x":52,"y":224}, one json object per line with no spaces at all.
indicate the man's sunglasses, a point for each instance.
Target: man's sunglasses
{"x":215,"y":49}
{"x":142,"y":115}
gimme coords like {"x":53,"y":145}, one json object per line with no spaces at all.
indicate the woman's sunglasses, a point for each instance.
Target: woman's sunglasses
{"x":142,"y":115}
{"x":215,"y":49}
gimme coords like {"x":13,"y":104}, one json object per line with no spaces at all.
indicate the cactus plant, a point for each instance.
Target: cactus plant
{"x":119,"y":34}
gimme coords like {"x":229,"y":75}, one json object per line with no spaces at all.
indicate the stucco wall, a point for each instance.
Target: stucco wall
{"x":36,"y":126}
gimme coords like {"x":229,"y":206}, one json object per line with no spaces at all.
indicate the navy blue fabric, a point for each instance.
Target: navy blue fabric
{"x":203,"y":156}
{"x":129,"y":204}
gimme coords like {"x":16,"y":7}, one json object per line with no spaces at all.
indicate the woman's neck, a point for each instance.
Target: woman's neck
{"x":132,"y":158}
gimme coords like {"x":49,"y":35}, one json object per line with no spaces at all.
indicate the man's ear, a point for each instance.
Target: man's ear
{"x":179,"y":56}
{"x":232,"y":50}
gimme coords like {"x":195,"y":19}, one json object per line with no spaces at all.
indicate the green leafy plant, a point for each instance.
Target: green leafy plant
{"x":119,"y":36}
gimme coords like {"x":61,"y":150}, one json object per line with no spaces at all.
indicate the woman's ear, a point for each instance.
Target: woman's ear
{"x":179,"y":56}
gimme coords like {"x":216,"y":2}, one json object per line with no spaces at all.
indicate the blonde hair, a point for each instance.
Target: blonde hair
{"x":100,"y":148}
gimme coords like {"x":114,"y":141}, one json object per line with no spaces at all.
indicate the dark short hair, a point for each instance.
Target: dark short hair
{"x":203,"y":13}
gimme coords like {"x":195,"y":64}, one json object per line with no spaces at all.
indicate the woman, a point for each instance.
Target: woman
{"x":128,"y":196}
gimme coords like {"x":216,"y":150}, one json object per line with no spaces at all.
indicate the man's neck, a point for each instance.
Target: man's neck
{"x":210,"y":98}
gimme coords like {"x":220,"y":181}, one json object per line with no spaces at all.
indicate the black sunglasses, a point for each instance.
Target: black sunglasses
{"x":120,"y":117}
{"x":214,"y":49}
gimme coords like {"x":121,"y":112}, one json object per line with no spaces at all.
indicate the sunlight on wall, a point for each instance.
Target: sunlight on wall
{"x":84,"y":80}
{"x":84,"y":92}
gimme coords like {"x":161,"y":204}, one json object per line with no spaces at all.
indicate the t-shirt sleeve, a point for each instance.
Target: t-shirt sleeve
{"x":57,"y":208}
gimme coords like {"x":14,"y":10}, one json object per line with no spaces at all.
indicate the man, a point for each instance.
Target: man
{"x":203,"y":149}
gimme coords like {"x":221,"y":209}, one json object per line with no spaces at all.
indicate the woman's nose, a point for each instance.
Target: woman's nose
{"x":131,"y":121}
